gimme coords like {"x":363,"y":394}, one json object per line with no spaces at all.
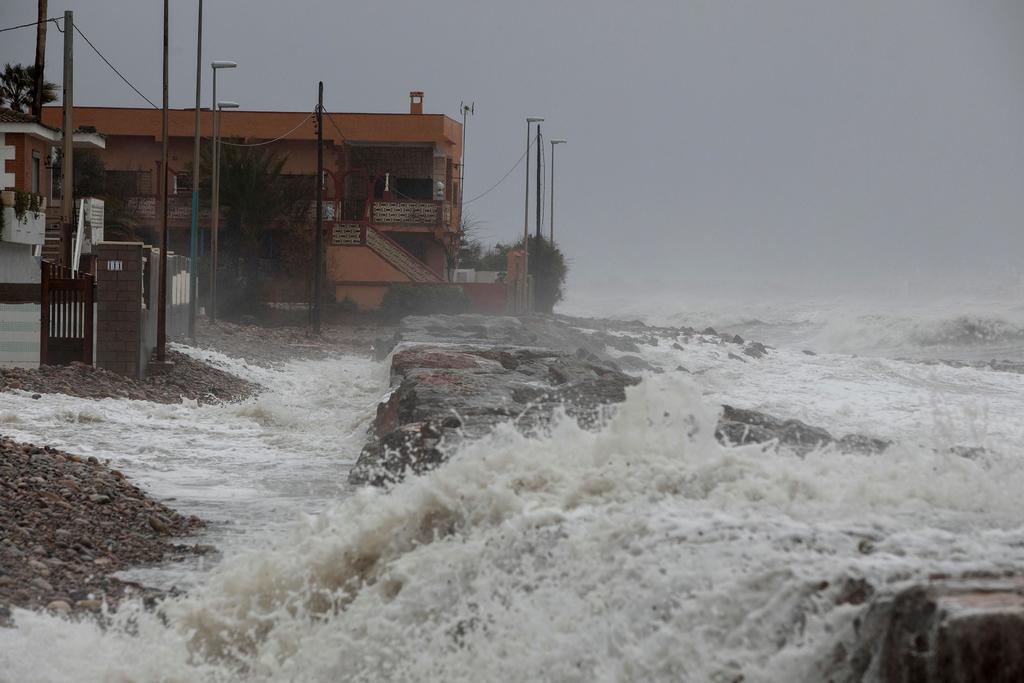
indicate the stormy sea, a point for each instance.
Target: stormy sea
{"x":638,"y":549}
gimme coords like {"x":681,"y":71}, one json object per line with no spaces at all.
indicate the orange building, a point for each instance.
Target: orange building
{"x":391,"y":197}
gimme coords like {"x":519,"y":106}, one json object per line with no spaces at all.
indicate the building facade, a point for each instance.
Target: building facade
{"x":391,"y":189}
{"x":27,"y":197}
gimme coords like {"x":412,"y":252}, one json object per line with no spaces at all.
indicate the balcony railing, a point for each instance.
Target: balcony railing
{"x":384,"y":214}
{"x":406,"y":213}
{"x":179,"y":209}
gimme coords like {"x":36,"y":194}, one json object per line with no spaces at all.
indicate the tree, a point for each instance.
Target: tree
{"x":121,"y":203}
{"x":547,"y":266}
{"x":256,"y":196}
{"x":18,"y":84}
{"x":464,"y":247}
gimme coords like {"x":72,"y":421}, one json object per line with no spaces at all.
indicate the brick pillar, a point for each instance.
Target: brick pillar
{"x":119,"y":307}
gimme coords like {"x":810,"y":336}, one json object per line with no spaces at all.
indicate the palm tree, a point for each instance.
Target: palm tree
{"x":256,"y":196}
{"x":17,"y":87}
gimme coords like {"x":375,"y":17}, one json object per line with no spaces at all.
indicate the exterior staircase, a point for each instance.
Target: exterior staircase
{"x":52,"y":245}
{"x":397,"y":256}
{"x":362,"y":234}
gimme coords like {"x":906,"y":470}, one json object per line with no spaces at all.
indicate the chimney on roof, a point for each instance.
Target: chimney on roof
{"x":416,"y":102}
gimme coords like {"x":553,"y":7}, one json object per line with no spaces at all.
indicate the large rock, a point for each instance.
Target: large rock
{"x":947,"y":631}
{"x":447,"y":393}
{"x":739,"y":426}
{"x":457,"y":376}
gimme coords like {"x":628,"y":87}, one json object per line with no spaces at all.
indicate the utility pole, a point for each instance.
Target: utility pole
{"x":193,"y":249}
{"x":318,"y":259}
{"x":540,"y":197}
{"x":68,"y":175}
{"x":37,"y":96}
{"x":466,"y":109}
{"x":215,"y":203}
{"x":524,"y":303}
{"x":161,"y":316}
{"x":539,"y":270}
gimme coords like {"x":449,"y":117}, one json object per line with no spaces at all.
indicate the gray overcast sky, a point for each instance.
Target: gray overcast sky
{"x":837,"y":145}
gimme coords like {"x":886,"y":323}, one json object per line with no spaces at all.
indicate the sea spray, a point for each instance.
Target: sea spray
{"x":640,"y":550}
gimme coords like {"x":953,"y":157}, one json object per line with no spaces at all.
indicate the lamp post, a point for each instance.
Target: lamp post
{"x":193,"y":267}
{"x":215,"y":218}
{"x":214,"y":208}
{"x":525,"y":287}
{"x":551,"y":216}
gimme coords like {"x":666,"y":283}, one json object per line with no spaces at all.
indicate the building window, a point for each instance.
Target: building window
{"x":182,"y":183}
{"x":37,"y":163}
{"x":129,"y":183}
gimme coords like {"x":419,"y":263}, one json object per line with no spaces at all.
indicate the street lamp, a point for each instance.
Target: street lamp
{"x":524,"y":302}
{"x":214,"y":213}
{"x":215,"y":216}
{"x":552,"y":214}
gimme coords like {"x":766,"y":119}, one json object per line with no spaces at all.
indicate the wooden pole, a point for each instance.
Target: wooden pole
{"x":318,"y":260}
{"x":40,"y":63}
{"x":67,"y":149}
{"x":161,"y":316}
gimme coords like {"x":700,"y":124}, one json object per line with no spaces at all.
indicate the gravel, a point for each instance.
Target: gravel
{"x":67,"y":523}
{"x":186,"y":378}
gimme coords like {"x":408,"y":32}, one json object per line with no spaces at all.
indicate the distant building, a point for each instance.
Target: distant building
{"x":391,"y":194}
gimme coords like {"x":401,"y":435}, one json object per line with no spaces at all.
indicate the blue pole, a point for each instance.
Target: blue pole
{"x":193,"y":267}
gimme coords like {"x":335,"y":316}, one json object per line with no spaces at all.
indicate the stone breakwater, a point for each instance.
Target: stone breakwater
{"x":67,"y":523}
{"x":456,"y":377}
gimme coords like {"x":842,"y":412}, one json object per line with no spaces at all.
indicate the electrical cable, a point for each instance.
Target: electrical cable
{"x":330,"y":117}
{"x":507,"y":174}
{"x":267,"y":142}
{"x":34,"y":23}
{"x":113,"y":68}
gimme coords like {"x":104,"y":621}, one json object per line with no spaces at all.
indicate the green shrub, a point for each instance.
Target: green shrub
{"x":402,"y":300}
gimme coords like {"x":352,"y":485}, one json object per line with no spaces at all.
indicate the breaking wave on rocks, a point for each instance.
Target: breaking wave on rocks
{"x":641,"y":550}
{"x":981,"y":329}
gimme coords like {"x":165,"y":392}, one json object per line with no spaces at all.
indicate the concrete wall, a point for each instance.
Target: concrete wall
{"x":489,"y":298}
{"x":358,"y":263}
{"x":17,"y":264}
{"x":119,"y":307}
{"x":127,"y":291}
{"x":19,"y":335}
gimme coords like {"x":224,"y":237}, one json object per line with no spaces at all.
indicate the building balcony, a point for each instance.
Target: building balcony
{"x":145,"y":209}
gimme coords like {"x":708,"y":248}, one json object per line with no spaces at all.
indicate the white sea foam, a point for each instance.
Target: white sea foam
{"x":964,"y":328}
{"x":643,"y":550}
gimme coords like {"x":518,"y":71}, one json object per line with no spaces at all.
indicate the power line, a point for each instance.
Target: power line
{"x":525,"y":154}
{"x":330,"y":117}
{"x":267,"y":142}
{"x":113,"y":68}
{"x":33,"y":23}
